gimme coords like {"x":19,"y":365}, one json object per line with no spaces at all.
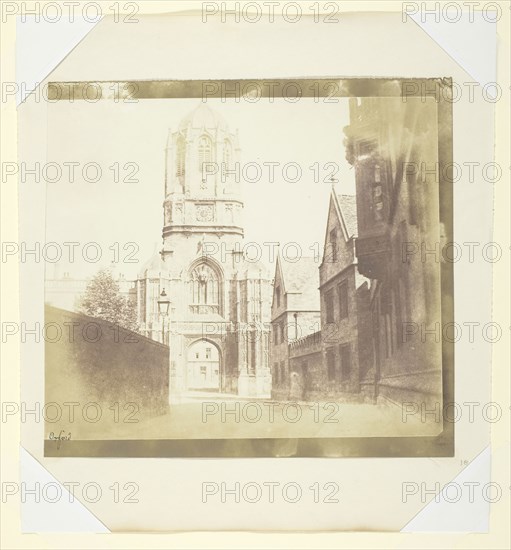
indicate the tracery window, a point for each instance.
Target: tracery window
{"x":204,"y":288}
{"x":180,"y":156}
{"x":205,"y":151}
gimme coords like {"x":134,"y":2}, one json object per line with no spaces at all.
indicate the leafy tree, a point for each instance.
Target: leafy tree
{"x":102,"y":299}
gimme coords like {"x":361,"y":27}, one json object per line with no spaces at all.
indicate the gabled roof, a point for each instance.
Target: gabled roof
{"x":301,"y":278}
{"x":342,"y":209}
{"x":347,"y":205}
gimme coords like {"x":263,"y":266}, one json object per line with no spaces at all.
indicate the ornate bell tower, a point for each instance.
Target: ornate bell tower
{"x":219,"y":315}
{"x":202,"y":182}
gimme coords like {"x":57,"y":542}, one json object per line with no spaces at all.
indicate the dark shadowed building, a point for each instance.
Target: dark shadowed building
{"x":388,"y":141}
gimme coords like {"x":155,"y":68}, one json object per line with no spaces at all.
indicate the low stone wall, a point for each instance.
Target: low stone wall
{"x":305,"y":366}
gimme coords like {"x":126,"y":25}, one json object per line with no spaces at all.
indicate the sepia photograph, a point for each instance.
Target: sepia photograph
{"x":255,"y":274}
{"x":259,"y":267}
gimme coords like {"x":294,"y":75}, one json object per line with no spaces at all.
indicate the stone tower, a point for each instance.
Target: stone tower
{"x":220,"y":301}
{"x":202,"y":193}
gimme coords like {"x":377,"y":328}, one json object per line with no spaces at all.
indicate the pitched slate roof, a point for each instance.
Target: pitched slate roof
{"x":348,"y":207}
{"x":301,"y":279}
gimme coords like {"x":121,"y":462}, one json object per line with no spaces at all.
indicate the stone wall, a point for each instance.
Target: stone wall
{"x":305,"y":366}
{"x":95,"y":361}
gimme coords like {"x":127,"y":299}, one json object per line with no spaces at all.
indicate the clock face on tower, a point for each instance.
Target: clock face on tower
{"x":204,"y":212}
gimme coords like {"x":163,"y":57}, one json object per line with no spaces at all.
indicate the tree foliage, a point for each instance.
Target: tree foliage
{"x":102,"y":299}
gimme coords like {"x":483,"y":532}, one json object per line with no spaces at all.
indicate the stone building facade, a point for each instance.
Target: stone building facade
{"x":64,"y":291}
{"x":294,"y":315}
{"x":344,"y":302}
{"x":218,"y":326}
{"x":398,"y":213}
{"x":326,"y":353}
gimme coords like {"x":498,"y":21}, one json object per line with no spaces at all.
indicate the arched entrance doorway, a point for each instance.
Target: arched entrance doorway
{"x":203,"y":366}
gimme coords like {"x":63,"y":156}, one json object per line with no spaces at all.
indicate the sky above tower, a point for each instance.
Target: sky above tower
{"x":290,"y":153}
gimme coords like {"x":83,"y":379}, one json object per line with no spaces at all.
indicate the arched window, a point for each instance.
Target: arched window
{"x":180,"y":156}
{"x":227,"y":154}
{"x":205,"y":151}
{"x":204,"y":289}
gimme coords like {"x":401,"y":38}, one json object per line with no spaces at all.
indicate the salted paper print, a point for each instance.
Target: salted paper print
{"x":280,"y":293}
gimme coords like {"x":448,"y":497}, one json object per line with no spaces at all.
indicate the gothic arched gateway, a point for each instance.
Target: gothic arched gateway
{"x":203,"y":364}
{"x":217,"y":294}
